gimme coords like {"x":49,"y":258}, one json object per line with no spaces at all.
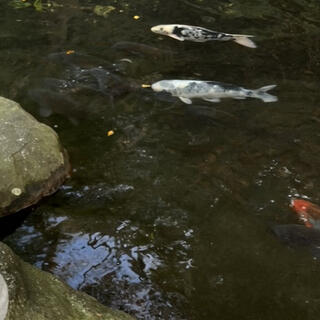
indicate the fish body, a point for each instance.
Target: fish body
{"x":210,"y":91}
{"x":183,"y":32}
{"x":308,"y":213}
{"x":55,"y":102}
{"x":298,"y":236}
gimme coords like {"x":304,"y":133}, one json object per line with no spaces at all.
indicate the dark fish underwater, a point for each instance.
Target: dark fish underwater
{"x":299,"y":236}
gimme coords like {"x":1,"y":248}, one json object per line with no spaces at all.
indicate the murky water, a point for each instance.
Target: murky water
{"x":169,"y":217}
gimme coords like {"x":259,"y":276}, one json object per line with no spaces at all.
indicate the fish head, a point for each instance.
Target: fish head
{"x":308,"y":212}
{"x":163,"y":29}
{"x":163,"y":85}
{"x":299,"y":205}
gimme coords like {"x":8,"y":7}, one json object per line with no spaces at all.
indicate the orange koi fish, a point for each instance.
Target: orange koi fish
{"x":309,"y":213}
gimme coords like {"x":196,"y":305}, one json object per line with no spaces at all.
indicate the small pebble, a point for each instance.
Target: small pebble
{"x":16,"y":191}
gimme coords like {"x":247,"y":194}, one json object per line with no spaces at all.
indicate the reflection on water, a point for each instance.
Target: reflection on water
{"x":117,"y":262}
{"x":170,"y":217}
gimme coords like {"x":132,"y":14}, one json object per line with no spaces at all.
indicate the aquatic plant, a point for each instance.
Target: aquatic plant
{"x":20,"y":4}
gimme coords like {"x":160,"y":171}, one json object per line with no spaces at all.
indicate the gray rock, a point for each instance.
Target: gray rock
{"x":32,"y":162}
{"x":38,"y":295}
{"x":4,"y":298}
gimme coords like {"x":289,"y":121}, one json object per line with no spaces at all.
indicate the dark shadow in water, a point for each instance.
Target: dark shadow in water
{"x":12,"y":222}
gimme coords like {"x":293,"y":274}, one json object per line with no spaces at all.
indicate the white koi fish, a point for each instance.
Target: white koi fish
{"x":210,"y":91}
{"x":198,"y":34}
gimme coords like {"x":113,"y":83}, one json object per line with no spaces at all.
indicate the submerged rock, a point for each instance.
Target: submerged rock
{"x":38,"y":295}
{"x":33,"y":164}
{"x":82,"y":81}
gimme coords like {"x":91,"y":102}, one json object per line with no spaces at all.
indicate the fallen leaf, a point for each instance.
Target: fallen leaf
{"x":126,"y":60}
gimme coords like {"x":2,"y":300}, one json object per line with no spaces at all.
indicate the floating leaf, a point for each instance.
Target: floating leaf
{"x":103,"y":11}
{"x":126,"y":60}
{"x":38,"y":5}
{"x":110,"y":133}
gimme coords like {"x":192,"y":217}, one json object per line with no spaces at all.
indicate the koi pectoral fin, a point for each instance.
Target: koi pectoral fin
{"x":244,"y":40}
{"x":185,"y":100}
{"x":174,"y":36}
{"x":212,"y":100}
{"x":308,"y":224}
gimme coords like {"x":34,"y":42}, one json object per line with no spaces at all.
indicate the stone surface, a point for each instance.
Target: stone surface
{"x":38,"y":295}
{"x":32,"y":162}
{"x":3,"y":298}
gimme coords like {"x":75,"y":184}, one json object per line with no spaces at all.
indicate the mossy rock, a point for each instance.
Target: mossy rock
{"x":38,"y":295}
{"x":33,"y":163}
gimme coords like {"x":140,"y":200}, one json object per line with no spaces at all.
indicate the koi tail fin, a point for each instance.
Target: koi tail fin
{"x":243,"y":39}
{"x":262,"y":94}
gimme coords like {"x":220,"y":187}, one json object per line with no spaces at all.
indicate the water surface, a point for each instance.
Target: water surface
{"x":169,"y":217}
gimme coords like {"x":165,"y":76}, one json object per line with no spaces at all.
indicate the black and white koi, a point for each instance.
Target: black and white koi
{"x":211,"y":91}
{"x":183,"y":32}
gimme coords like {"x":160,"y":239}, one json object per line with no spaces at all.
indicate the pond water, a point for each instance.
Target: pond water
{"x":170,"y":217}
